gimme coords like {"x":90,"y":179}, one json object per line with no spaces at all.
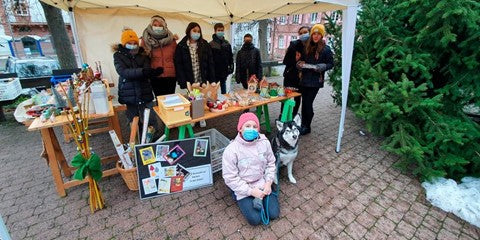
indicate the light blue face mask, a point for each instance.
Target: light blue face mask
{"x":131,"y":46}
{"x":304,"y":37}
{"x":157,"y":29}
{"x":195,"y":36}
{"x":220,"y":34}
{"x":250,"y":134}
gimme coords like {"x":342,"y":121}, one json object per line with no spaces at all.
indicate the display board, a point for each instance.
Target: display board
{"x":173,"y":166}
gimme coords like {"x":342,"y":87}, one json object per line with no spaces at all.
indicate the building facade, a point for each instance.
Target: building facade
{"x":24,"y":30}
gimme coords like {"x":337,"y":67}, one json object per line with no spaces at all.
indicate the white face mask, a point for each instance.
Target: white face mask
{"x":131,"y":46}
{"x":157,"y":29}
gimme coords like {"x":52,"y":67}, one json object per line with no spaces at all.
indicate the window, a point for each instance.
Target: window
{"x":296,"y":19}
{"x":281,"y":41}
{"x":283,"y":20}
{"x":313,"y":17}
{"x":335,"y":16}
{"x":20,"y":7}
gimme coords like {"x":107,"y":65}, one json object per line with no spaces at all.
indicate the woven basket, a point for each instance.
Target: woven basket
{"x":129,"y":176}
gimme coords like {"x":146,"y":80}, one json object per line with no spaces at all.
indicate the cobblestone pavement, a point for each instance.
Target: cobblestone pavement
{"x":355,"y":194}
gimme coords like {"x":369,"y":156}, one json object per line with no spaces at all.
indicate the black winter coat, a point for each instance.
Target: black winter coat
{"x":183,"y":62}
{"x":248,"y":62}
{"x":290,"y":75}
{"x":312,"y":78}
{"x":133,"y":87}
{"x":222,"y":57}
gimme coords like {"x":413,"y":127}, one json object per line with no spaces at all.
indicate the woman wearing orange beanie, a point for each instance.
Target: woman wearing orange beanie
{"x":316,"y":59}
{"x":133,"y":67}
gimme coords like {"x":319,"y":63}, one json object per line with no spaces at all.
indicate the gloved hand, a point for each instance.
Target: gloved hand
{"x":158,"y":71}
{"x":321,"y":67}
{"x":147,"y":72}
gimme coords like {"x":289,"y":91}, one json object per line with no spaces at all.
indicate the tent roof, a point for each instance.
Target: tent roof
{"x":227,"y":11}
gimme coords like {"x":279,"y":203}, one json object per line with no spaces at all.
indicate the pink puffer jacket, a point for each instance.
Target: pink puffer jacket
{"x":248,"y":165}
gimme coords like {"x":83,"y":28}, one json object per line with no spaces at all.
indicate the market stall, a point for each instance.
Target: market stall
{"x":94,"y":16}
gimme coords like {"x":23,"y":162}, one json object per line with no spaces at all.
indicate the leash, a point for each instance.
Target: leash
{"x":264,"y":213}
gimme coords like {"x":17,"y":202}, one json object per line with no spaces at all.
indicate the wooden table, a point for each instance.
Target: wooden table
{"x":54,"y":154}
{"x":186,"y":125}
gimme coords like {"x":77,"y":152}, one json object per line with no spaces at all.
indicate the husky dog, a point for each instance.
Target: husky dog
{"x":285,"y":144}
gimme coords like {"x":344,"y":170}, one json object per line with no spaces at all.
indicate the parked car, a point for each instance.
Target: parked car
{"x":33,"y":72}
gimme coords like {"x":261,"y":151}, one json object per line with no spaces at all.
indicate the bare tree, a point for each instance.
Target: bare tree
{"x":60,"y":38}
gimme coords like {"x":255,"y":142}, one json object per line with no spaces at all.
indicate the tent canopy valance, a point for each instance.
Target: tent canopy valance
{"x":226,"y":11}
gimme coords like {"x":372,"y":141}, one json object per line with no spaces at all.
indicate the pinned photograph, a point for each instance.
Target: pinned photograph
{"x":155,"y":170}
{"x":176,"y":184}
{"x":200,"y":149}
{"x":149,"y":185}
{"x":161,"y":151}
{"x":169,"y":171}
{"x":147,"y":155}
{"x":164,"y":185}
{"x":174,"y":155}
{"x":182,"y":171}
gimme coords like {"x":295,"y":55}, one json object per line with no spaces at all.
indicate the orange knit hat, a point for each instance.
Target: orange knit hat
{"x":128,"y":35}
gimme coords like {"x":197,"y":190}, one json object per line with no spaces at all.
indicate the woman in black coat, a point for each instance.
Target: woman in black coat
{"x":133,"y":68}
{"x":292,"y":56}
{"x":316,"y":59}
{"x":193,"y":58}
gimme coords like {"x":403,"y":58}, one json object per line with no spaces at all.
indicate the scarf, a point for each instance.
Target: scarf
{"x":153,"y":40}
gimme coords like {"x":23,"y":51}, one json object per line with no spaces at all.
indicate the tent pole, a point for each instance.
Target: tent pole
{"x":73,"y":24}
{"x":348,"y":37}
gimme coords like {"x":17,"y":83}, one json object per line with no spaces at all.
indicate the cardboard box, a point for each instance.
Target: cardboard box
{"x":174,"y":107}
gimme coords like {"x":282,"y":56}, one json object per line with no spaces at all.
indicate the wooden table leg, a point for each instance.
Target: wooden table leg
{"x":48,"y":136}
{"x":61,"y":157}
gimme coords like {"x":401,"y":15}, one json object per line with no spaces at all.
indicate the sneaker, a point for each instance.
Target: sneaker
{"x":305,"y":130}
{"x":203,"y":123}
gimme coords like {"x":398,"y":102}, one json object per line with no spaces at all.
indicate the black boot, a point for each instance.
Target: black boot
{"x":305,"y":130}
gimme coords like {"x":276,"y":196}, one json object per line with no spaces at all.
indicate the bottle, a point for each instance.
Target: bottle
{"x":99,"y":97}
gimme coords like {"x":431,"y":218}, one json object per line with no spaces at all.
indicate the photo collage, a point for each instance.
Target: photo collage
{"x":164,"y":167}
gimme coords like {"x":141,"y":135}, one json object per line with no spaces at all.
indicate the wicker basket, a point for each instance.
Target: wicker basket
{"x":129,"y":176}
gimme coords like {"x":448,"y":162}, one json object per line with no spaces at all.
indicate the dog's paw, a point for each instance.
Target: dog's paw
{"x":292,"y":179}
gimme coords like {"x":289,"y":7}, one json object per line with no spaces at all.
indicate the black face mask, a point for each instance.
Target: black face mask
{"x":247,"y":42}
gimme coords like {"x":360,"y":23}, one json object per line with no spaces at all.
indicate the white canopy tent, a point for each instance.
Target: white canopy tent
{"x":97,"y":23}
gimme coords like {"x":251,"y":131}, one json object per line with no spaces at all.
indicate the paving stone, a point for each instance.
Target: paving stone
{"x":355,"y":194}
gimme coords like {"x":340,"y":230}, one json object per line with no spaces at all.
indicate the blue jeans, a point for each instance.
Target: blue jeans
{"x":251,"y":214}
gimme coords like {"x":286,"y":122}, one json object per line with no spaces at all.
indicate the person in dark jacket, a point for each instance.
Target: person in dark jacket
{"x":292,"y":56}
{"x":316,"y":59}
{"x":193,"y":58}
{"x":133,"y":67}
{"x":248,"y":62}
{"x":222,"y":56}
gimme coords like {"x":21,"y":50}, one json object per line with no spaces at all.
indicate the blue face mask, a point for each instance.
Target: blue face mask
{"x":220,"y":34}
{"x":195,"y":36}
{"x":131,"y":46}
{"x":250,"y":134}
{"x":304,"y":37}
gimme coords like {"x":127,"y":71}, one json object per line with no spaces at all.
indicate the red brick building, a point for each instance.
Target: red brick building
{"x":284,"y":29}
{"x":24,"y":20}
